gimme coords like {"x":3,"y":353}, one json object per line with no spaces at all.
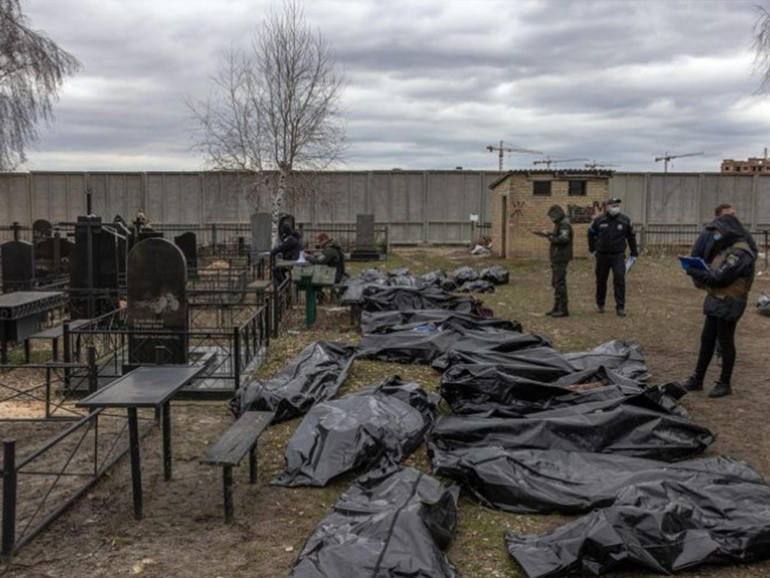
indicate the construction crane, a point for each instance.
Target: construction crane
{"x":549,"y":161}
{"x":504,"y":149}
{"x":667,"y":157}
{"x":595,"y":165}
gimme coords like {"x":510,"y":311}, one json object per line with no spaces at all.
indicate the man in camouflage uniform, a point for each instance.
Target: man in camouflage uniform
{"x":560,"y":254}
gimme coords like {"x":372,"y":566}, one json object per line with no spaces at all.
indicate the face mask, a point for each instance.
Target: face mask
{"x":614,"y":211}
{"x":717,"y":236}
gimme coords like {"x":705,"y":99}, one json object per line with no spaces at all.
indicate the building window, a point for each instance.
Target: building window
{"x":541,"y":188}
{"x":577,"y":188}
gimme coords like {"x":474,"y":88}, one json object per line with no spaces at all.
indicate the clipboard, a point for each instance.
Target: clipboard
{"x":688,"y":262}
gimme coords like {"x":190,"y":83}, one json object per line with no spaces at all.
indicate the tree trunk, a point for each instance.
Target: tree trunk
{"x":278,"y":196}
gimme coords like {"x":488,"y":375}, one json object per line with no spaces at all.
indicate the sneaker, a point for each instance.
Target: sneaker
{"x":692,"y":383}
{"x":560,"y":314}
{"x":600,"y":308}
{"x":721,"y":389}
{"x":621,"y":312}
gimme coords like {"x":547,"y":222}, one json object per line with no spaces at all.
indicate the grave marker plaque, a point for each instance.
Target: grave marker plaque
{"x":188,"y":243}
{"x":157,"y":301}
{"x":18,"y":266}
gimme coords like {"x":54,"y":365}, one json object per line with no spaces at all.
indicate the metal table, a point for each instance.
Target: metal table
{"x":20,"y":314}
{"x":146,"y":386}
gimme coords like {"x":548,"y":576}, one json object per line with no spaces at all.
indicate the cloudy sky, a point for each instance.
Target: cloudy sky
{"x":428,"y":83}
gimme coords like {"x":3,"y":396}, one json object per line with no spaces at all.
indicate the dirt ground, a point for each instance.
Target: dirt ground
{"x":183,"y":533}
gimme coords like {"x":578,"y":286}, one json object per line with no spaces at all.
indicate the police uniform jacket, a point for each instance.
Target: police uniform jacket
{"x":609,"y":234}
{"x":731,"y":275}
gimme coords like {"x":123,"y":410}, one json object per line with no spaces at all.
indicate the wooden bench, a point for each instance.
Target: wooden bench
{"x":233,"y":446}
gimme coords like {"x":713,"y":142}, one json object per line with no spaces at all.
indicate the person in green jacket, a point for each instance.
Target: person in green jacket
{"x":560,"y":254}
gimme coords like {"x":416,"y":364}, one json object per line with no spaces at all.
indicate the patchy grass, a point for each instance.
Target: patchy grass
{"x":183,"y":534}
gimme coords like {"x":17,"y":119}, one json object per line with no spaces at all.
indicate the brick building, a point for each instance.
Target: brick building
{"x":520,"y":200}
{"x":753,"y":165}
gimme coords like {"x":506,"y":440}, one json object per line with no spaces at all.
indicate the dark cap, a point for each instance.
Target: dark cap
{"x":613,"y":201}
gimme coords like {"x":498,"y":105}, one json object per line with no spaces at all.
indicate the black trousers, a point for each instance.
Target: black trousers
{"x":717,"y":330}
{"x":559,"y":284}
{"x":616,"y":264}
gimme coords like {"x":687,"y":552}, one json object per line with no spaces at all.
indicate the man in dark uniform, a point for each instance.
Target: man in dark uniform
{"x":560,"y":254}
{"x":608,"y":236}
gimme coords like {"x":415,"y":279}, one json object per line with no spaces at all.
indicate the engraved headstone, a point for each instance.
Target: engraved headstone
{"x":52,"y":256}
{"x":365,"y":232}
{"x":188,"y":243}
{"x":157,"y":302}
{"x":18,"y":266}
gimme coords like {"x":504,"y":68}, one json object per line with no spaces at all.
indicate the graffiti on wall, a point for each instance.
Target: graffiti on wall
{"x":517,"y":210}
{"x":585,"y":214}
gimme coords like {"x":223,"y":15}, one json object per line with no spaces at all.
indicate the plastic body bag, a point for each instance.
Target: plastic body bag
{"x":555,"y":481}
{"x":376,"y":426}
{"x":495,"y":274}
{"x":624,"y":427}
{"x":313,"y":376}
{"x":410,"y":346}
{"x":392,"y":524}
{"x":390,"y":321}
{"x":664,"y":526}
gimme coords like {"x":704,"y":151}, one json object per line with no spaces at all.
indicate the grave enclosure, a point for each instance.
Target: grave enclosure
{"x":134,"y":298}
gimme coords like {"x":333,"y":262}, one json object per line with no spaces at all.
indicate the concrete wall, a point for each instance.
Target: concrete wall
{"x":419,"y":206}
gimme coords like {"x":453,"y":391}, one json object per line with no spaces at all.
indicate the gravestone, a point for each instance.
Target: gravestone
{"x":188,"y":243}
{"x":41,"y":230}
{"x":365,"y":232}
{"x":52,"y":256}
{"x":18,"y":266}
{"x":157,"y":302}
{"x":365,"y":249}
{"x":261,"y":235}
{"x":95,"y":269}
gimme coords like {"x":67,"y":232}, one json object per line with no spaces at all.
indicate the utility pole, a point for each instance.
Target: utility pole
{"x":667,"y":157}
{"x":503,"y":149}
{"x":549,"y":161}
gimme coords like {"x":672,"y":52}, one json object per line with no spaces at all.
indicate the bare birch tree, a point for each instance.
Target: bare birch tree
{"x":762,"y":48}
{"x":32,"y":69}
{"x":274,"y":107}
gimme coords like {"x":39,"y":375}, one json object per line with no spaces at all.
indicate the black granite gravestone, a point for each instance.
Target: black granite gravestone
{"x":157,"y":302}
{"x":18,"y":266}
{"x":52,"y":256}
{"x":188,"y":243}
{"x":41,"y":230}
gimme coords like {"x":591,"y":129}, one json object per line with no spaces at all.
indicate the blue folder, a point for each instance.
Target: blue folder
{"x":693,"y":263}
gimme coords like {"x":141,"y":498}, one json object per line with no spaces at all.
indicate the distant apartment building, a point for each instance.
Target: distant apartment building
{"x":753,"y":165}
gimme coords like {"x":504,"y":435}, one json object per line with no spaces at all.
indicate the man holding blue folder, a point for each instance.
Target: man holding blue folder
{"x":727,"y":283}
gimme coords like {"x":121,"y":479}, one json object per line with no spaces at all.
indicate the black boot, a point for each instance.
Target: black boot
{"x":721,"y":389}
{"x":692,"y":383}
{"x":560,"y":313}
